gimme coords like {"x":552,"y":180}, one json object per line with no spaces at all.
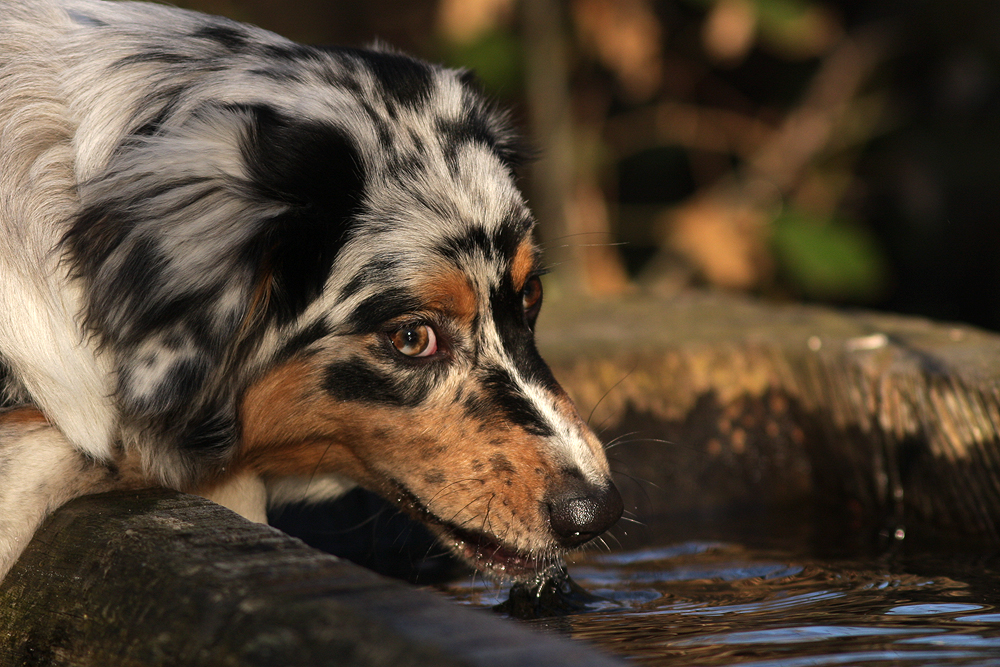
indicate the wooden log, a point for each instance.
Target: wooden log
{"x":752,"y":411}
{"x":161,"y":578}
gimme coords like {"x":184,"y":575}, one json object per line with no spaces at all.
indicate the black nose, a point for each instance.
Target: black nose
{"x":579,"y":512}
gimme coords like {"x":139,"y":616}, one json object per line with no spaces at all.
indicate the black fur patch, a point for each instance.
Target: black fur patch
{"x":357,"y":380}
{"x":372,"y":313}
{"x":186,"y":308}
{"x":473,"y":240}
{"x":503,"y":392}
{"x":376,"y":272}
{"x":288,"y":52}
{"x":160,"y":57}
{"x":303,"y":339}
{"x":381,"y":127}
{"x":279,"y":73}
{"x":228,"y":36}
{"x":154,"y":111}
{"x":211,"y":433}
{"x":516,"y":335}
{"x":478,"y":408}
{"x":477,"y":126}
{"x":313,"y":167}
{"x":185,"y":375}
{"x":499,"y":246}
{"x":508,"y":236}
{"x":404,"y":80}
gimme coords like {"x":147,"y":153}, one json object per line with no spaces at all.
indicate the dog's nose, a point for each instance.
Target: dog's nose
{"x":579,"y":512}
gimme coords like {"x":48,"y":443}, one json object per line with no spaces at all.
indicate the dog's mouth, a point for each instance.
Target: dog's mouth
{"x":490,"y":557}
{"x":483,"y":552}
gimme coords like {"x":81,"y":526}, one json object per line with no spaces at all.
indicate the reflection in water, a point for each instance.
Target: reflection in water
{"x":716,"y":604}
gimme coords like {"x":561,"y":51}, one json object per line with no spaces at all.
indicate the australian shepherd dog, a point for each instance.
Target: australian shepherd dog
{"x":263,"y":272}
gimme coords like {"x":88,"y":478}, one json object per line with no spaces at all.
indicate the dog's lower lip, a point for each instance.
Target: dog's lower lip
{"x":482,"y":552}
{"x":488,"y":555}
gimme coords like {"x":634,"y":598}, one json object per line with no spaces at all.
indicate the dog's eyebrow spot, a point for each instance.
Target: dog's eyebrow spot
{"x":450,"y":292}
{"x":525,"y":263}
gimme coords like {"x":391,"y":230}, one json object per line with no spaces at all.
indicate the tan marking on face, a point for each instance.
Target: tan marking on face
{"x":20,"y":416}
{"x":285,"y":429}
{"x":486,"y":477}
{"x":524,"y":263}
{"x":448,"y":290}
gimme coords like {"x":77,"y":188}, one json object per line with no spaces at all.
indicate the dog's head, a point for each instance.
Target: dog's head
{"x":333,"y":272}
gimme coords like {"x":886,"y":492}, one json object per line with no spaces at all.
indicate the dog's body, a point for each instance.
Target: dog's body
{"x":245,"y":268}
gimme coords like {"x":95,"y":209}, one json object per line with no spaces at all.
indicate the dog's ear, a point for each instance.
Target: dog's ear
{"x":314,"y":170}
{"x":198,"y":235}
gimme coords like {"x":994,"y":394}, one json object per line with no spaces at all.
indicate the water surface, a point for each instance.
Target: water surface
{"x":717,"y":604}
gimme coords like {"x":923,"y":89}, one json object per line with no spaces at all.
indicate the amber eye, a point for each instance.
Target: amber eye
{"x":531,"y":297}
{"x":415,"y":340}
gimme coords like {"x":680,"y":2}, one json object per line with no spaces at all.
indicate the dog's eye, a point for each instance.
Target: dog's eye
{"x":531,"y":297}
{"x":415,"y":340}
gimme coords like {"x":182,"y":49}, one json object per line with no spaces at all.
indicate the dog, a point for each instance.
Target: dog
{"x":263,"y":272}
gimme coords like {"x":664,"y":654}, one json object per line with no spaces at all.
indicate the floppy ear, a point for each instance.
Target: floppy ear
{"x":197,"y":236}
{"x":316,"y":171}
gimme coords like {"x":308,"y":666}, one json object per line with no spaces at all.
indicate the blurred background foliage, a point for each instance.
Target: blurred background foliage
{"x":843,"y":151}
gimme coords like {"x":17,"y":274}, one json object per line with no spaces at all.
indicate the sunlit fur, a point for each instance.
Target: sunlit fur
{"x":208,"y":237}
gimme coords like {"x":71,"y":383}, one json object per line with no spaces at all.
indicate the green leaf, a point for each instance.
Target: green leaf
{"x":496,"y":57}
{"x":832,"y":259}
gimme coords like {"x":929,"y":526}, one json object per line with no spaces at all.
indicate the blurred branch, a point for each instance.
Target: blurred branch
{"x":723,"y":230}
{"x":567,"y":197}
{"x":808,"y":129}
{"x":549,"y":108}
{"x":690,"y":126}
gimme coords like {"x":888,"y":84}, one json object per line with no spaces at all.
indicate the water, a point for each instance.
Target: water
{"x":716,"y":604}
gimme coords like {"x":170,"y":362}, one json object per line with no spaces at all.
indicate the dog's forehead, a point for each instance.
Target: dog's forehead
{"x":457,"y":270}
{"x":452,"y":208}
